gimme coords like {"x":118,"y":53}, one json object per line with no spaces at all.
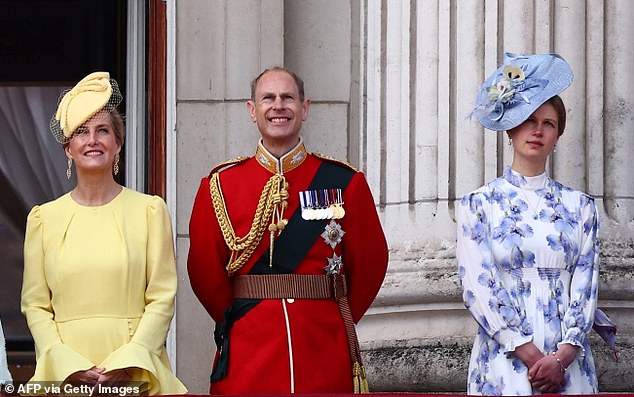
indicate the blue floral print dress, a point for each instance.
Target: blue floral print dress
{"x":528,"y":255}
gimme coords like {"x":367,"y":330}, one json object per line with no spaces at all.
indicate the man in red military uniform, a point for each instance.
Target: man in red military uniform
{"x":286,"y":254}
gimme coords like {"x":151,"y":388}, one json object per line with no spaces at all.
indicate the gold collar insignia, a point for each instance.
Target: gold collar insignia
{"x":286,"y":163}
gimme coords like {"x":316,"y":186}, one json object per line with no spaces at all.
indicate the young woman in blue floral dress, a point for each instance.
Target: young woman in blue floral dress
{"x":527,"y":246}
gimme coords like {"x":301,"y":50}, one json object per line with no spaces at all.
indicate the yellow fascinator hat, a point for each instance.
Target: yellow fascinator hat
{"x":94,"y":93}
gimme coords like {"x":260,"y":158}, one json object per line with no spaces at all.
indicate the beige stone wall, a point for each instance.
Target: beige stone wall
{"x":391,"y":83}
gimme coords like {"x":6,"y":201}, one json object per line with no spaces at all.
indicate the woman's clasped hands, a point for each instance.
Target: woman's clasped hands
{"x":547,"y":375}
{"x":547,"y":372}
{"x":96,"y":376}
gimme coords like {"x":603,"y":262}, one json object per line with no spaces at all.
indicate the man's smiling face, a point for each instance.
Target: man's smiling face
{"x":278,"y":110}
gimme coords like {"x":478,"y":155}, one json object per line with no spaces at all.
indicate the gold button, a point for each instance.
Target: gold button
{"x":290,"y":300}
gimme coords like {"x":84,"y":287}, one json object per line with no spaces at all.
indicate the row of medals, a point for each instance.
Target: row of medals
{"x":322,"y":204}
{"x":333,"y":211}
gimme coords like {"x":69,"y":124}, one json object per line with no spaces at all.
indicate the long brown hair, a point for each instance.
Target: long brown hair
{"x":560,"y":109}
{"x":118,"y":126}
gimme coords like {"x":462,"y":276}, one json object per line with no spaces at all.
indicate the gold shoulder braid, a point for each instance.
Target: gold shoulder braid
{"x":334,"y":160}
{"x":271,"y":205}
{"x":227,"y":164}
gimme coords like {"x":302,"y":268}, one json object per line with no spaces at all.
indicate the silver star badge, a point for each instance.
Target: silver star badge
{"x":334,"y":265}
{"x":332,"y":234}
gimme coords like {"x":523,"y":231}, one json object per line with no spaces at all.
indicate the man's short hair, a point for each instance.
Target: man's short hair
{"x":298,"y":81}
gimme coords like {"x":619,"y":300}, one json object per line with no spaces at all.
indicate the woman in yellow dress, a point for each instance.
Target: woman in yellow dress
{"x":99,"y":266}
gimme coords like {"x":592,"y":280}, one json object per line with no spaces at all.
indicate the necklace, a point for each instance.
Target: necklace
{"x":535,"y":215}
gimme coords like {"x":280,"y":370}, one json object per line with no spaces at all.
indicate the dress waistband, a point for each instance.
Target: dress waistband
{"x":540,"y":273}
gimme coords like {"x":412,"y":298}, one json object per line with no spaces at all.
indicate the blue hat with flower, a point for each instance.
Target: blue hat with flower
{"x":518,"y":87}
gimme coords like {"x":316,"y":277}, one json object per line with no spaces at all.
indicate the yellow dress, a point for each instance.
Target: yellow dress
{"x":99,"y":286}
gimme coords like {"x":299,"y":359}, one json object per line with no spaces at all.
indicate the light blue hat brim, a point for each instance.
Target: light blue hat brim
{"x":546,"y":75}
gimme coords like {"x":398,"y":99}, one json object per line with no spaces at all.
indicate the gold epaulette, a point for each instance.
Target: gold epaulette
{"x":227,"y":164}
{"x":334,"y":160}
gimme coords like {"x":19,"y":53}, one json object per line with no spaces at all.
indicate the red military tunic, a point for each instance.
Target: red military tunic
{"x":285,"y":345}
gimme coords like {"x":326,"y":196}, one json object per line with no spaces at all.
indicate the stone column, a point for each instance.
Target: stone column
{"x":418,"y":335}
{"x":618,"y":116}
{"x":320,"y":53}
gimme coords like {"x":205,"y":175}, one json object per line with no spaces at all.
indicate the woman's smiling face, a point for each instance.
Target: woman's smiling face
{"x":94,"y":145}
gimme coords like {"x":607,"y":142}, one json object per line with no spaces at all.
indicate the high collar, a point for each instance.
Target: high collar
{"x":525,"y":182}
{"x":291,"y":160}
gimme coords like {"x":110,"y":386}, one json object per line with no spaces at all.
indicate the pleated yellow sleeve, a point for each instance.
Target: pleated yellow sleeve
{"x":59,"y":360}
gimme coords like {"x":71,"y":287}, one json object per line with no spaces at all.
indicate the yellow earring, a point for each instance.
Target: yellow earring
{"x":115,"y":167}
{"x":69,"y":170}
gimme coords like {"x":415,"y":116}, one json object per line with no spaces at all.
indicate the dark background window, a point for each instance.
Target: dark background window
{"x":52,"y":41}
